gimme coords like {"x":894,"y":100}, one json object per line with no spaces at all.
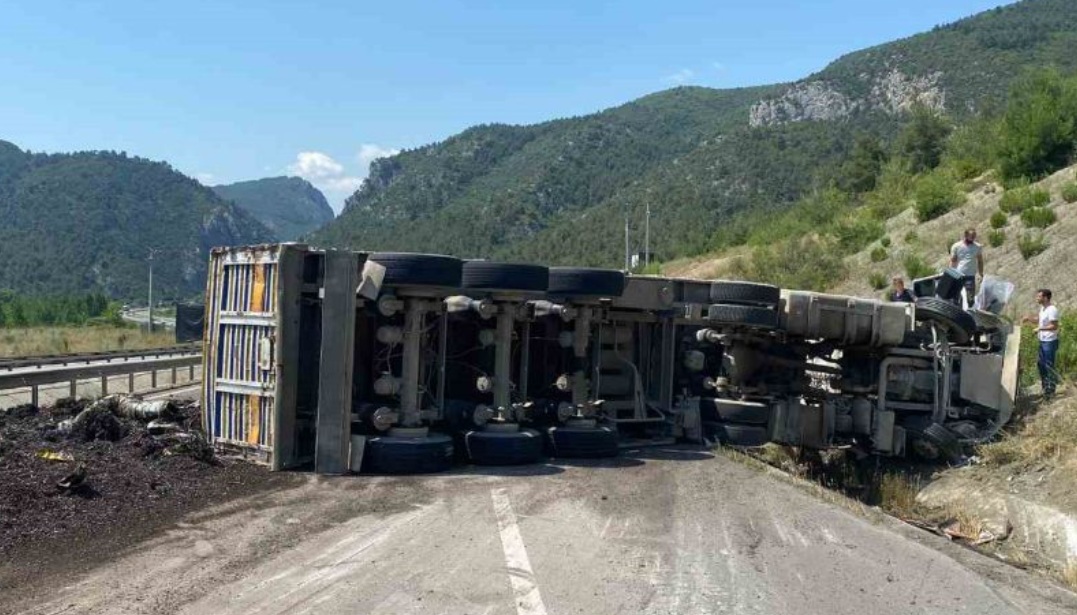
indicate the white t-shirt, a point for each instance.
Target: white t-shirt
{"x":966,"y":255}
{"x":1048,"y":315}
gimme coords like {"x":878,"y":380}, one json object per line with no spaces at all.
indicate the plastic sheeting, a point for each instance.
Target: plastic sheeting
{"x":994,"y":294}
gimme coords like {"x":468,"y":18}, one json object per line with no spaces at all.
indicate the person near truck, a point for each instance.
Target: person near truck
{"x":898,"y":292}
{"x":967,"y":257}
{"x":1047,"y":332}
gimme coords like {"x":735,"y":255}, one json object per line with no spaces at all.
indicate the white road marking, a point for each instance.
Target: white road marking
{"x":528,"y":599}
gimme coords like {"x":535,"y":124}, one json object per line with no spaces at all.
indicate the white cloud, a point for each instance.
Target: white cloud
{"x":718,"y":66}
{"x":369,"y":152}
{"x":681,"y":76}
{"x":331,"y":177}
{"x":206,"y":179}
{"x":315,"y":165}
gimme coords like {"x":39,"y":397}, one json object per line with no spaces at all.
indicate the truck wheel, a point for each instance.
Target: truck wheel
{"x":586,"y":282}
{"x":986,"y":321}
{"x":485,"y":275}
{"x":408,"y":269}
{"x":399,"y":455}
{"x":736,"y":435}
{"x":946,"y":441}
{"x":582,"y":442}
{"x":734,"y":411}
{"x":503,"y":448}
{"x":959,"y":325}
{"x":743,"y":315}
{"x":745,"y":293}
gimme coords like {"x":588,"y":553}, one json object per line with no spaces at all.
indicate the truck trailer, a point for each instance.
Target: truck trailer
{"x":344,"y":361}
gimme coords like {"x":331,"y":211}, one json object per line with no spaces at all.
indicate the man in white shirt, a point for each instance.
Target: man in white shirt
{"x":967,"y":257}
{"x":1047,"y":332}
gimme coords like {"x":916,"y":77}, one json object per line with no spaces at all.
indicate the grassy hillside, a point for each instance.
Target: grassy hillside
{"x":288,"y":206}
{"x":559,"y":192}
{"x":72,"y":223}
{"x":929,"y":243}
{"x":897,"y":210}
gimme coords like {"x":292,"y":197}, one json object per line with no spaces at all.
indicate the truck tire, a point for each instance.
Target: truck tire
{"x":734,"y":411}
{"x":745,"y":293}
{"x":583,"y":442}
{"x":987,"y":322}
{"x":397,"y":455}
{"x":495,"y":448}
{"x":586,"y":282}
{"x":485,"y":275}
{"x":733,"y":434}
{"x":408,"y":269}
{"x":958,"y":323}
{"x":947,"y":441}
{"x":743,"y":315}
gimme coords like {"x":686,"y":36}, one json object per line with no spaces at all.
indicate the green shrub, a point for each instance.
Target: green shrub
{"x":1031,"y":244}
{"x":1038,"y":127}
{"x":1038,"y":217}
{"x":885,"y":241}
{"x":877,"y":280}
{"x":878,"y":255}
{"x":999,"y":219}
{"x":996,"y":238}
{"x":808,"y":263}
{"x":1017,"y":200}
{"x":892,"y":192}
{"x":915,"y":267}
{"x":911,"y":237}
{"x":856,"y":231}
{"x":1069,"y":192}
{"x":936,"y":194}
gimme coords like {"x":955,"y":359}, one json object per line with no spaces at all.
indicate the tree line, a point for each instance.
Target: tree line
{"x":70,"y":310}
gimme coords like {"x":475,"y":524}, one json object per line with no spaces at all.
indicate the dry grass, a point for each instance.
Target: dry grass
{"x":1048,"y":436}
{"x":68,"y":340}
{"x":897,"y":495}
{"x":1068,"y":575}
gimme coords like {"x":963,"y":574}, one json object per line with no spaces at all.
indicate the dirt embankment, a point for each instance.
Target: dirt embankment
{"x":73,"y":494}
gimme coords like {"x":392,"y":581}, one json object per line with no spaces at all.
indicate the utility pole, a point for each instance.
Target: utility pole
{"x":647,"y":238}
{"x":153,"y":252}
{"x":628,"y":255}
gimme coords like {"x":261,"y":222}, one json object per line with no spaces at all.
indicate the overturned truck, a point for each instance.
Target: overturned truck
{"x":407,"y":363}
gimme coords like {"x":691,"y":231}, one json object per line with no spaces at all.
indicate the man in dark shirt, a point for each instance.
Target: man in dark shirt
{"x":898,"y":292}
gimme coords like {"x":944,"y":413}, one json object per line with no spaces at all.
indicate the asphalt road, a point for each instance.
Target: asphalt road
{"x":663,"y":531}
{"x":141,"y":316}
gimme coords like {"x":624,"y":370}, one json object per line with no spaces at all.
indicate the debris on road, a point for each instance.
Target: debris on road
{"x":86,"y":471}
{"x":48,"y":455}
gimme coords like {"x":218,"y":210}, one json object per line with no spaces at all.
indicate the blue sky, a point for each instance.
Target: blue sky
{"x":227,"y":91}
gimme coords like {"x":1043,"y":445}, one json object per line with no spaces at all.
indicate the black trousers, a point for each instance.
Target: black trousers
{"x":969,"y":283}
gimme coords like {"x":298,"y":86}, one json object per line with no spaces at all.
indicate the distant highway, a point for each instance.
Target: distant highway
{"x":141,"y":316}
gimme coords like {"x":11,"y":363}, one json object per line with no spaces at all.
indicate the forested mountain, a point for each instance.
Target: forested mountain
{"x":71,"y":223}
{"x":559,"y":192}
{"x":288,"y":206}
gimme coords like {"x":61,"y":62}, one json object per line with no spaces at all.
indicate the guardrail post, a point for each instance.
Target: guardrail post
{"x":73,"y":388}
{"x":33,"y":395}
{"x":104,"y":386}
{"x":190,"y":373}
{"x":173,"y":376}
{"x":153,"y":379}
{"x":131,"y":382}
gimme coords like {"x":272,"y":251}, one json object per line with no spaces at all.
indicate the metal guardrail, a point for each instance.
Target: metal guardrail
{"x":72,"y":374}
{"x":12,"y":363}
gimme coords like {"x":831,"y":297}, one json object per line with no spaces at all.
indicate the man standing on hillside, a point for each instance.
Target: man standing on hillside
{"x":1047,"y":332}
{"x":967,"y":257}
